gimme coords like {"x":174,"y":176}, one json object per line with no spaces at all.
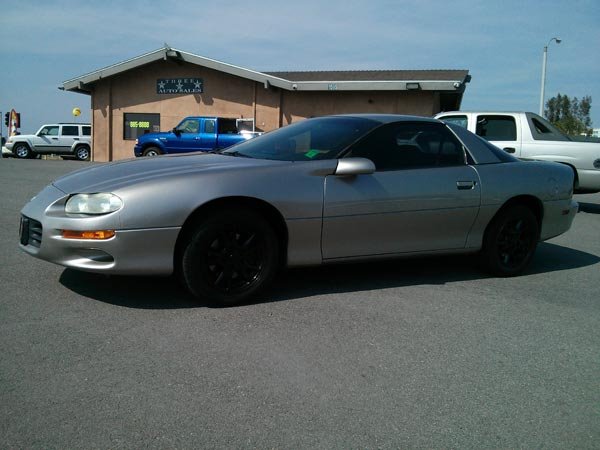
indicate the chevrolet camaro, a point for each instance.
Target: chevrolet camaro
{"x":323,"y":190}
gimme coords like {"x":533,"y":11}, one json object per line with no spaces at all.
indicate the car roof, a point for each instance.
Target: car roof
{"x":66,"y":123}
{"x":389,"y":118}
{"x":484,"y":112}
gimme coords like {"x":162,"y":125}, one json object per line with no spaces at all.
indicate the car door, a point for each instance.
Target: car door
{"x":185,"y":139}
{"x":68,"y":135}
{"x":46,"y":140}
{"x":423,"y":196}
{"x":208,"y":138}
{"x":502,"y":130}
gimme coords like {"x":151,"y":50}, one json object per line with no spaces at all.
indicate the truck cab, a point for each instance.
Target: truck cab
{"x":529,"y":136}
{"x":192,"y":134}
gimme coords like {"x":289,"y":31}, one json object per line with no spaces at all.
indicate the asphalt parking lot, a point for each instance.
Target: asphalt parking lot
{"x":413,"y":353}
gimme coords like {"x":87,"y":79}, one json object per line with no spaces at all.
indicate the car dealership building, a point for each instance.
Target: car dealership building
{"x":154,"y":91}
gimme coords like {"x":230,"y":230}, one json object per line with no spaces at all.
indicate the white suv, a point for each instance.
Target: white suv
{"x":65,"y":139}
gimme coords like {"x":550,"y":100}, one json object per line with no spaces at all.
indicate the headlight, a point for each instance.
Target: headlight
{"x":101,"y":203}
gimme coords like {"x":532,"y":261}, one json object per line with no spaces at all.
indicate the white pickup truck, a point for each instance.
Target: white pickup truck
{"x":529,"y":136}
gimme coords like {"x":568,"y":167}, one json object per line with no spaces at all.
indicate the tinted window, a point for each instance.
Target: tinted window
{"x":456,"y":120}
{"x":70,"y":130}
{"x":406,"y":145}
{"x":138,"y":124}
{"x":543,"y":130}
{"x":497,"y":128}
{"x":209,"y":126}
{"x":86,"y":131}
{"x":481,"y":151}
{"x":312,"y":139}
{"x":227,"y":126}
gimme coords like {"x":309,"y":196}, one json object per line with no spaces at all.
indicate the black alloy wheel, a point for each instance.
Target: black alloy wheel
{"x":511,"y":240}
{"x":230,"y":257}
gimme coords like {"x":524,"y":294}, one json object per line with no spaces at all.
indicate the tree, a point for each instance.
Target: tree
{"x":571,"y":116}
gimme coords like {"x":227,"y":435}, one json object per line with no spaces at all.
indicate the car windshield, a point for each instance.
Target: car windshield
{"x":319,"y":138}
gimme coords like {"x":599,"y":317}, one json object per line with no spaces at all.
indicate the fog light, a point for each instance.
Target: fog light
{"x":97,"y":235}
{"x":597,"y":163}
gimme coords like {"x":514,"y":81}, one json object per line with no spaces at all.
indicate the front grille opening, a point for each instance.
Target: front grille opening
{"x":31,"y":232}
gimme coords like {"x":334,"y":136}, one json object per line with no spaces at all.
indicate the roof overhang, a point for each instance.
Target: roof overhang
{"x":83,"y":84}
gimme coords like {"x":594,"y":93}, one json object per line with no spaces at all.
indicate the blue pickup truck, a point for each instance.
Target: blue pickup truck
{"x":193,"y":134}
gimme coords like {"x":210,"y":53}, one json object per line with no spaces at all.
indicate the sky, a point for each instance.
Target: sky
{"x":44,"y":43}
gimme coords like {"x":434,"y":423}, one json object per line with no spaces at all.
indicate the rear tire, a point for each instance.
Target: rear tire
{"x":510,"y":241}
{"x":152,"y":151}
{"x":82,"y":153}
{"x":229,"y":257}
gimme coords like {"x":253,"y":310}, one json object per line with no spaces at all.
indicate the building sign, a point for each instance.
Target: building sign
{"x":179,"y":85}
{"x":136,"y":124}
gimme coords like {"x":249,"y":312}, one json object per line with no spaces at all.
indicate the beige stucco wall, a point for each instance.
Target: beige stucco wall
{"x":226,"y":95}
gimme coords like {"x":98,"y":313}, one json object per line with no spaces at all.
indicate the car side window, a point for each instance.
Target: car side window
{"x":189,"y":126}
{"x":70,"y":130}
{"x":496,"y":128}
{"x":86,"y":131}
{"x":543,"y":130}
{"x":49,"y":131}
{"x":408,"y":145}
{"x":461,"y":121}
{"x":209,"y":126}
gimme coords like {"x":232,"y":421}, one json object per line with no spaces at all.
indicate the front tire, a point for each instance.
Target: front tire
{"x":22,"y":151}
{"x":152,"y":151}
{"x":510,"y":241}
{"x":230,"y":257}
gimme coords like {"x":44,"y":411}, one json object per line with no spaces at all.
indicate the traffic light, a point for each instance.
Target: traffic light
{"x":6,"y":118}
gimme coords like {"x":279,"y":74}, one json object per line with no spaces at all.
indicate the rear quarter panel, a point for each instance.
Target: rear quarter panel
{"x":551,"y":183}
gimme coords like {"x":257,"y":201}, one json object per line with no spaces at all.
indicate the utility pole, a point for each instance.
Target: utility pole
{"x":545,"y":59}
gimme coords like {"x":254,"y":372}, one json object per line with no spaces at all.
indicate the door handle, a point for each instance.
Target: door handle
{"x":509,"y":149}
{"x":465,"y":185}
{"x":55,"y":139}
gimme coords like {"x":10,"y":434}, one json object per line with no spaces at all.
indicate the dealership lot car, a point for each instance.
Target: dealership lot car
{"x":66,"y":139}
{"x":323,"y":190}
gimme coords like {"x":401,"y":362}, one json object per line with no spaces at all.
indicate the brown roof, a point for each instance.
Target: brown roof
{"x":374,"y":75}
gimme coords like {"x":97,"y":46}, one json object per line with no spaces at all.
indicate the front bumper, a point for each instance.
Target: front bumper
{"x":146,"y":251}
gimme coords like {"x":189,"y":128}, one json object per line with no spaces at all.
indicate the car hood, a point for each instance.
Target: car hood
{"x":112,"y":176}
{"x":20,"y":136}
{"x":151,"y":136}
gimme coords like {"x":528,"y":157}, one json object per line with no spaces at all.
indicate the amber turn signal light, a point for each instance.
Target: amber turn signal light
{"x":94,"y":235}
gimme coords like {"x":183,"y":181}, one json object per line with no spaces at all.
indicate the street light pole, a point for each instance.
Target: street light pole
{"x":558,"y":41}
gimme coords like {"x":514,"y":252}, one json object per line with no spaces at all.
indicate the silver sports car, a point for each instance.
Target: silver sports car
{"x":324,"y":190}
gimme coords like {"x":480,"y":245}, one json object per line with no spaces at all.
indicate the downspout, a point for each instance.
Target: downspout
{"x":110,"y":121}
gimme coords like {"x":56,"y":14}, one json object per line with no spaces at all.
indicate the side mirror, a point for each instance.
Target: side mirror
{"x":354,"y":166}
{"x":176,"y":131}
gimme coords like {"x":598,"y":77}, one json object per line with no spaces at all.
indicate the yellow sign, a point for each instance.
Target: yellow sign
{"x":76,"y":112}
